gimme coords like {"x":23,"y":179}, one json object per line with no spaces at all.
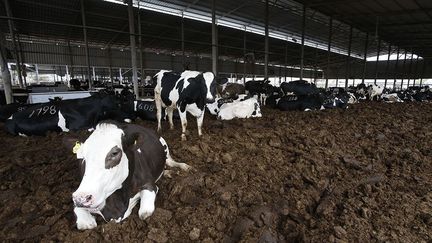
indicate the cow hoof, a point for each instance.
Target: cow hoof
{"x":146,"y":212}
{"x":86,"y":222}
{"x":183,"y":137}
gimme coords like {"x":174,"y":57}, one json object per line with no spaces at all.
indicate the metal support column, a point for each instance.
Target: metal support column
{"x":94,"y":73}
{"x":71,"y":61}
{"x":396,"y":68}
{"x":86,"y":43}
{"x":387,"y":66}
{"x":403,"y":69}
{"x":120,"y":75}
{"x":133,"y":49}
{"x":67,"y":77}
{"x":6,"y":76}
{"x":423,"y":71}
{"x":214,"y":40}
{"x":183,"y":43}
{"x":328,"y":51}
{"x":416,"y":71}
{"x":37,"y":72}
{"x":14,"y":43}
{"x":266,"y":40}
{"x":22,"y":61}
{"x":302,"y":42}
{"x":377,"y":60}
{"x":244,"y":55}
{"x":110,"y":66}
{"x":347,"y":62}
{"x":365,"y":57}
{"x":409,"y":69}
{"x":141,"y":49}
{"x":286,"y":62}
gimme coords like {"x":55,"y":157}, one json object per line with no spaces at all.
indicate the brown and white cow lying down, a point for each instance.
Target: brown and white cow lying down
{"x":121,"y":164}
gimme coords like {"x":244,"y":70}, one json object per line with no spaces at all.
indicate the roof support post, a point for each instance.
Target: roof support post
{"x":140,"y":41}
{"x":71,"y":61}
{"x":183,"y":43}
{"x":315,"y":74}
{"x":133,"y":49}
{"x":365,"y":57}
{"x":387,"y":66}
{"x":403,"y":69}
{"x":6,"y":76}
{"x":416,"y":71}
{"x":396,"y":68}
{"x":302,"y":42}
{"x":14,"y":43}
{"x":110,"y":66}
{"x":330,"y":31}
{"x":22,"y":61}
{"x":120,"y":75}
{"x":347,"y":62}
{"x":423,"y":71}
{"x":94,"y":73}
{"x":83,"y":16}
{"x":377,"y":60}
{"x":214,"y":40}
{"x":266,"y":40}
{"x":37,"y":72}
{"x":409,"y":69}
{"x":244,"y":55}
{"x":286,"y":62}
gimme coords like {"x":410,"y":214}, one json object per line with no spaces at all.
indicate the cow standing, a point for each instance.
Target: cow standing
{"x":187,"y":92}
{"x":120,"y":166}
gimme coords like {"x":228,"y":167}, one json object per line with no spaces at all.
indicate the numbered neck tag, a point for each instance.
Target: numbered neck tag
{"x":76,"y":147}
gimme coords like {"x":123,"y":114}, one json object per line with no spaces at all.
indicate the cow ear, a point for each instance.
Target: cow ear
{"x":73,"y":145}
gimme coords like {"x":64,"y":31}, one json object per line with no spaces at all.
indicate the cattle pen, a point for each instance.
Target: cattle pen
{"x":313,"y":121}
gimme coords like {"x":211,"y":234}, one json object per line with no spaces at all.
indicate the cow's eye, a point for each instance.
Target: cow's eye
{"x":113,"y":157}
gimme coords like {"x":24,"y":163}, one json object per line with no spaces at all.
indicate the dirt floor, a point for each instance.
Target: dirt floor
{"x":358,"y":175}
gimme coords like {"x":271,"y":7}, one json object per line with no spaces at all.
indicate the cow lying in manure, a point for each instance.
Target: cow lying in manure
{"x":120,"y":166}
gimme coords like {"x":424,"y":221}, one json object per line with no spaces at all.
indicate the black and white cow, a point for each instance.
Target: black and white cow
{"x":65,"y":115}
{"x":120,"y":166}
{"x":146,"y":110}
{"x":244,"y":106}
{"x":187,"y":92}
{"x":300,"y":103}
{"x":8,"y":110}
{"x":231,"y":90}
{"x":299,"y":88}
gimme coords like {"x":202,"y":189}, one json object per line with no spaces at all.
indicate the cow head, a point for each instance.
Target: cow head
{"x":211,"y":83}
{"x":105,"y":167}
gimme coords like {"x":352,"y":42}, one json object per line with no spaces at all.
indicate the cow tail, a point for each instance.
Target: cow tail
{"x":169,"y":160}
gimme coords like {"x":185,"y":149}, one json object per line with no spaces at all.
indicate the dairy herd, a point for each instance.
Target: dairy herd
{"x":121,"y":162}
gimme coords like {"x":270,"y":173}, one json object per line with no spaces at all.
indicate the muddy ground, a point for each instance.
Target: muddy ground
{"x":358,"y":175}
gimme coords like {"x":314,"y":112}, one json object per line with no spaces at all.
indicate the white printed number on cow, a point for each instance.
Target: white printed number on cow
{"x":120,"y":166}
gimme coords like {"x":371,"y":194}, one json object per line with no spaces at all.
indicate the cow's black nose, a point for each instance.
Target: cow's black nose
{"x":210,"y":100}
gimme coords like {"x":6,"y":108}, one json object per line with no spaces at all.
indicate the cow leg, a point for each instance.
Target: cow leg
{"x":200,"y":120}
{"x":170,"y":112}
{"x":158,"y":103}
{"x":184,"y":124}
{"x":147,"y":203}
{"x":84,"y":219}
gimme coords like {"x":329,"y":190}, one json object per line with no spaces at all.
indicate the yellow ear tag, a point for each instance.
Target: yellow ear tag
{"x":76,"y":147}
